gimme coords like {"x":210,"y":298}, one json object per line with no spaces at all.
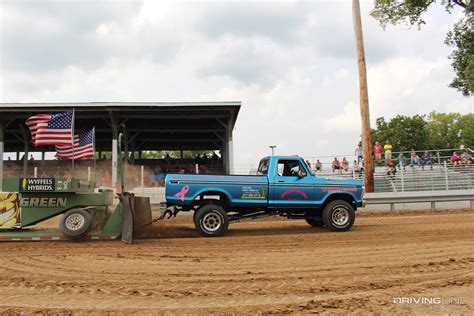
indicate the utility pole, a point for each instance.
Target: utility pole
{"x":363,"y":99}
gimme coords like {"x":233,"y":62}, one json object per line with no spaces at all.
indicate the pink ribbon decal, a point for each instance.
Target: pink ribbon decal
{"x":182,"y":193}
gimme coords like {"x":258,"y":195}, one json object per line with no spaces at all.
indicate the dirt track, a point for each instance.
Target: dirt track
{"x":272,"y":266}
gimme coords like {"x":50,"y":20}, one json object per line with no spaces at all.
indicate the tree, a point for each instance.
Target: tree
{"x":404,"y":132}
{"x":450,"y":130}
{"x":432,"y":131}
{"x":461,"y":38}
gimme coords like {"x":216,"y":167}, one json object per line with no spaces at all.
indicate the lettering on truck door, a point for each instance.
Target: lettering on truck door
{"x":289,"y":189}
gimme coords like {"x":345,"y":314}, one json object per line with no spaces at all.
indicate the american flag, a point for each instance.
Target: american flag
{"x":51,"y":129}
{"x":83,"y":147}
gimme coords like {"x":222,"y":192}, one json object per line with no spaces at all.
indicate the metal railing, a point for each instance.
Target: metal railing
{"x":418,"y":197}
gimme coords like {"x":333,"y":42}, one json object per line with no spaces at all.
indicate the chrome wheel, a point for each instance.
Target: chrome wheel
{"x":212,"y":222}
{"x":340,"y":216}
{"x":75,"y":222}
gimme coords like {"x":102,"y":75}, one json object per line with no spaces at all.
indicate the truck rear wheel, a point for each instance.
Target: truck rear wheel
{"x":211,"y":220}
{"x":75,"y":223}
{"x":338,"y":216}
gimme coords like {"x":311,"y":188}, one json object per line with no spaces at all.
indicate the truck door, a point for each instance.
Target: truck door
{"x":292,"y":185}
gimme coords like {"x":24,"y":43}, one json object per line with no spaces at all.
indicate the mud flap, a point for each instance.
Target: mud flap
{"x":127,"y":217}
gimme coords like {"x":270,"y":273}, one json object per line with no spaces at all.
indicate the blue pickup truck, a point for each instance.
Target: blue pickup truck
{"x":284,"y":186}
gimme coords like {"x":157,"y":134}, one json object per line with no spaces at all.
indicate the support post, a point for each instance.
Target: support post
{"x":229,"y":149}
{"x":114,"y":126}
{"x":114,"y":162}
{"x":132,"y":152}
{"x":402,"y":177}
{"x":25,"y":151}
{"x":446,"y":178}
{"x":364,"y":99}
{"x":142,"y":179}
{"x":433,"y":206}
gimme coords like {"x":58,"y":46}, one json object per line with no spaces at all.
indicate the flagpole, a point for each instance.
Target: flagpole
{"x":72,"y":140}
{"x":95,"y":159}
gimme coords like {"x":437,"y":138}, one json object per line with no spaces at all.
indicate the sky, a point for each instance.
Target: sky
{"x":292,"y":64}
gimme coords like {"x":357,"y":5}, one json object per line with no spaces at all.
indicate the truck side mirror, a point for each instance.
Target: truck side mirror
{"x":302,"y":174}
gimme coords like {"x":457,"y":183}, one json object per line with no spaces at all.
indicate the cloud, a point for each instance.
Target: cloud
{"x":291,"y":64}
{"x":347,"y":122}
{"x":277,"y":21}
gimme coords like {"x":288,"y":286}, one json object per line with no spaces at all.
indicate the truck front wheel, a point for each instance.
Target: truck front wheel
{"x":338,"y":216}
{"x":211,"y":220}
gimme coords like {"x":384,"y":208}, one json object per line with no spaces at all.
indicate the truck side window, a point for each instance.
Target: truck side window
{"x":263,"y":167}
{"x":289,"y":168}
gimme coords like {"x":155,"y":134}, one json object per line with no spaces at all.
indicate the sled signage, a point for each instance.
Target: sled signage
{"x":37,"y":184}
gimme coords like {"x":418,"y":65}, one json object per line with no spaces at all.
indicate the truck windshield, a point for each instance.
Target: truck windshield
{"x":263,"y":167}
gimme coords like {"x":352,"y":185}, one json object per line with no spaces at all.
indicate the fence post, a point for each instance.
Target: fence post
{"x":89,"y":173}
{"x":439,"y":159}
{"x":197,"y":169}
{"x":446,"y":175}
{"x":402,"y":177}
{"x":35,"y":172}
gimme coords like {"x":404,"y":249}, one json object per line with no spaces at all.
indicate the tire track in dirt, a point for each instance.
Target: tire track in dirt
{"x":294,"y":269}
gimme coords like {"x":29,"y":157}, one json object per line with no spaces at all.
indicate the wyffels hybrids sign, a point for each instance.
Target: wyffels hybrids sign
{"x":37,"y":184}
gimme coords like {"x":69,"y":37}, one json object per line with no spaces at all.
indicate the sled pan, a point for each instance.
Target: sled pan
{"x":142,"y":211}
{"x":136,"y":213}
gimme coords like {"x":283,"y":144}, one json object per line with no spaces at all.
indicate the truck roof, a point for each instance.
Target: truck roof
{"x":282,"y":157}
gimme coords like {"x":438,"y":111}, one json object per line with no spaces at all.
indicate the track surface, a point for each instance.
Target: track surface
{"x":270,"y":267}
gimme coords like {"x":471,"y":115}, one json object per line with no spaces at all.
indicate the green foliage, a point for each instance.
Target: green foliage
{"x":420,"y":132}
{"x":451,"y":130}
{"x":461,"y":37}
{"x":404,"y":132}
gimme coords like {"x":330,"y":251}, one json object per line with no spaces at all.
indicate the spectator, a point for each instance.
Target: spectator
{"x":455,"y":159}
{"x":308,"y":164}
{"x":378,"y":152}
{"x":414,"y":159}
{"x":401,"y":161}
{"x":466,"y":158}
{"x":388,"y":150}
{"x":336,"y":165}
{"x":319,"y":166}
{"x":344,"y":164}
{"x":355,"y":166}
{"x":359,"y":152}
{"x":361,"y":168}
{"x":31,"y":157}
{"x":426,"y":160}
{"x":390,"y":169}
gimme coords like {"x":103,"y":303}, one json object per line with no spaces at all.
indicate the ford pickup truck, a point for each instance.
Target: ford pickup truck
{"x":283,"y":186}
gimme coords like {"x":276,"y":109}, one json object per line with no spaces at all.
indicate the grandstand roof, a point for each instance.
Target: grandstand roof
{"x":148,"y":125}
